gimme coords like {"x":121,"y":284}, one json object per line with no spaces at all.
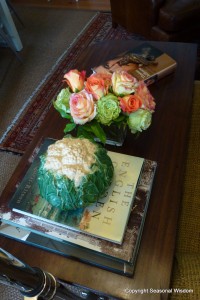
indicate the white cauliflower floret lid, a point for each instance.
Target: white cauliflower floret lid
{"x":71,"y":157}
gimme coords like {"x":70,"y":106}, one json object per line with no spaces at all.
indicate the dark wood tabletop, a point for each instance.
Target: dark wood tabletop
{"x":164,"y":142}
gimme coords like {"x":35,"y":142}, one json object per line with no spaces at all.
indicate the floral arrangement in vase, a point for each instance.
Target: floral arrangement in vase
{"x":93,"y":103}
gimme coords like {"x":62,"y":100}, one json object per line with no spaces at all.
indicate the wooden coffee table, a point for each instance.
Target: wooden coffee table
{"x":164,"y":142}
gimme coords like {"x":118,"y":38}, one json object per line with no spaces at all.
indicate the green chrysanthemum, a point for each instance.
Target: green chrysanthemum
{"x":62,"y":102}
{"x":108,"y":109}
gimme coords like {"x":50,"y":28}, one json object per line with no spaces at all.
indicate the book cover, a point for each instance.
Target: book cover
{"x":144,"y":62}
{"x":107,"y":218}
{"x":107,"y":255}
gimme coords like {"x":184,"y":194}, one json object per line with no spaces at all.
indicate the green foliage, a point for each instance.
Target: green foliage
{"x":91,"y":130}
{"x":69,"y":127}
{"x":121,"y":119}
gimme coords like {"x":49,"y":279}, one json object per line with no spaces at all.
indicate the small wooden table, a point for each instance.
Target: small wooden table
{"x":164,"y":142}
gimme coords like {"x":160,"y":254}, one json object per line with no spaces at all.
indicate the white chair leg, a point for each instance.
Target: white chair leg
{"x":8,"y":41}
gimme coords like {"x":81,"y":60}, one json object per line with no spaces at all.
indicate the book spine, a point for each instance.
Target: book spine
{"x":166,"y":71}
{"x":159,"y":75}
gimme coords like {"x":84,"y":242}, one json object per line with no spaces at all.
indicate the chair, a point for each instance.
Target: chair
{"x":8,"y":31}
{"x":8,"y":41}
{"x":13,"y":11}
{"x":162,"y":20}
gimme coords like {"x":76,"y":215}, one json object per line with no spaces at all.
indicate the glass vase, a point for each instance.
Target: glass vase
{"x":115,"y":134}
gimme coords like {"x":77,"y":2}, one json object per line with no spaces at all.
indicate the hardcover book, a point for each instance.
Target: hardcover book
{"x":68,"y":250}
{"x":107,"y":218}
{"x":111,"y":256}
{"x":144,"y":62}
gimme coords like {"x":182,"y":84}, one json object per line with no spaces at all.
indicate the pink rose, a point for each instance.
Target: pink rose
{"x":144,"y":93}
{"x":123,"y":83}
{"x":98,"y":85}
{"x":75,"y":80}
{"x":82,"y":107}
{"x":130,"y":103}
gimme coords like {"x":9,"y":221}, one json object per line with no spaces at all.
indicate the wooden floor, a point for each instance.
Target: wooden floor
{"x":96,"y":5}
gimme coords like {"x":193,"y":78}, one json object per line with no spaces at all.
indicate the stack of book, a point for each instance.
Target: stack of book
{"x":106,"y":234}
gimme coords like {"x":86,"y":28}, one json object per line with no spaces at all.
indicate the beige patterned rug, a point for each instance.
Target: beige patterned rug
{"x":45,"y":34}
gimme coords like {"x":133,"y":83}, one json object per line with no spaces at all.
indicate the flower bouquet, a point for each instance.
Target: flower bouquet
{"x":91,"y":104}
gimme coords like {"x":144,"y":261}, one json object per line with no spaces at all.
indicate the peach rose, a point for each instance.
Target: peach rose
{"x":75,"y":80}
{"x":98,"y":85}
{"x":147,"y":99}
{"x":82,"y":107}
{"x":130,"y":103}
{"x":123,"y":83}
